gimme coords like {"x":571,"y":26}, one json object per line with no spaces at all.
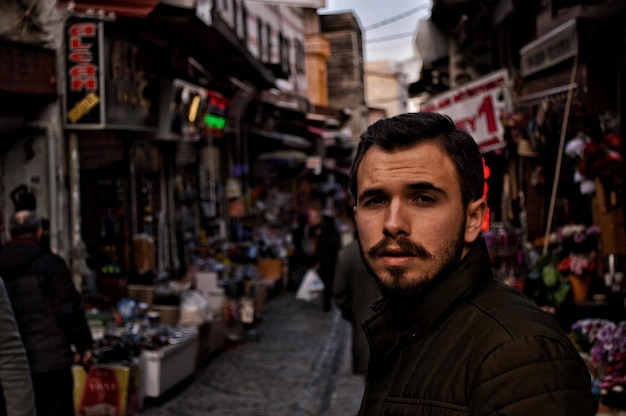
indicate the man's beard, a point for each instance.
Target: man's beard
{"x":399,"y":285}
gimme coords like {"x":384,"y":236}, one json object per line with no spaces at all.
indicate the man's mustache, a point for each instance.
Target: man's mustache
{"x":407,"y":246}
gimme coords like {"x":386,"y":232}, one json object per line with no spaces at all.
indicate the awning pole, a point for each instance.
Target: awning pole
{"x":559,"y":156}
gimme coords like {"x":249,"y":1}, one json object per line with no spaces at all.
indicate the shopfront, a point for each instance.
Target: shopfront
{"x":144,"y":151}
{"x":571,"y":83}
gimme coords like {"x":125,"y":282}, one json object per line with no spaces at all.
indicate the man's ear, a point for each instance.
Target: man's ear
{"x":474,"y":218}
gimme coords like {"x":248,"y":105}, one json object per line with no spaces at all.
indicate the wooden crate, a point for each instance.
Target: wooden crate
{"x":270,"y":268}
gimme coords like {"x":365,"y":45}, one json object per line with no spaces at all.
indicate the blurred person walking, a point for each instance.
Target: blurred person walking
{"x":49,"y":313}
{"x":16,"y":398}
{"x":326,"y":251}
{"x":355,"y":291}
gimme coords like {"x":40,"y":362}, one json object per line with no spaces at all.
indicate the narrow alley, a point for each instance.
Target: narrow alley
{"x":300,"y":366}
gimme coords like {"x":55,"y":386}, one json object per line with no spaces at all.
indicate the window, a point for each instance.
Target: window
{"x":285,"y":65}
{"x":299,"y":57}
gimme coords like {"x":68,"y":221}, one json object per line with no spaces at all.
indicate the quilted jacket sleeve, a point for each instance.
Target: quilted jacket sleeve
{"x":14,"y":370}
{"x":555,"y":383}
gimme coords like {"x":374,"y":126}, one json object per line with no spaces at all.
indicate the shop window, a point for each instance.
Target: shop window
{"x":241,"y":21}
{"x":300,"y":59}
{"x":224,"y":5}
{"x":285,"y":63}
{"x":104,"y":203}
{"x":267,"y":47}
{"x":259,"y":35}
{"x":244,"y":19}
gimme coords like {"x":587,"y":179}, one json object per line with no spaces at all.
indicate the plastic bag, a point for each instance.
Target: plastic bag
{"x":194,"y":308}
{"x":311,"y":286}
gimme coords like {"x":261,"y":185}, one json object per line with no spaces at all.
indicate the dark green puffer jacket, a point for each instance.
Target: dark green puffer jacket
{"x":474,"y":346}
{"x":47,"y":307}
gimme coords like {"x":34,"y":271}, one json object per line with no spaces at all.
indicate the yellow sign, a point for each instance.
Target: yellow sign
{"x":83,"y":107}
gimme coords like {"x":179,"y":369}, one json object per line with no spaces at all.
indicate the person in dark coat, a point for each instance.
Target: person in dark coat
{"x":49,"y":313}
{"x":16,"y":387}
{"x":355,"y":291}
{"x":326,"y":251}
{"x":303,"y":241}
{"x":447,"y":338}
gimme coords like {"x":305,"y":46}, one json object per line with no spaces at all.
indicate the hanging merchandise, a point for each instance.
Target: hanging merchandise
{"x":143,"y":253}
{"x":233,"y":188}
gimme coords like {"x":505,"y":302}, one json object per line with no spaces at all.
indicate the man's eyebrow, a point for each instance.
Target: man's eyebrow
{"x":370,"y":192}
{"x":428,"y":186}
{"x":416,"y":186}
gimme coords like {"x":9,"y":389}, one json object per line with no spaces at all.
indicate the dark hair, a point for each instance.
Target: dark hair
{"x":24,"y":223}
{"x":406,"y":130}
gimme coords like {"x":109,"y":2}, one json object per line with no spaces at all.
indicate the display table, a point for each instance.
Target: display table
{"x":169,"y":365}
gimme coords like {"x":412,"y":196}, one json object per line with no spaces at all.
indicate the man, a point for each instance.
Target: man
{"x":49,"y":313}
{"x":16,"y":398}
{"x":354,"y":292}
{"x":447,"y":338}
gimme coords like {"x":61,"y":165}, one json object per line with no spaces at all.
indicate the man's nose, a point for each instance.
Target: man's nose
{"x":396,"y":221}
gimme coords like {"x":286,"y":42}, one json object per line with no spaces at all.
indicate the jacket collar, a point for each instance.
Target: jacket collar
{"x":417,"y":315}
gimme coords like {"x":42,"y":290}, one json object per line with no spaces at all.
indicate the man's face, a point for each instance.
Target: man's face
{"x":411,"y":222}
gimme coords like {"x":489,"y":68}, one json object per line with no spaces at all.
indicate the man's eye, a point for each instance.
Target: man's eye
{"x":374,"y":201}
{"x":424,"y":199}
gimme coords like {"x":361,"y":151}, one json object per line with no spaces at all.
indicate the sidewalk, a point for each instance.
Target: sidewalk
{"x":300,"y":367}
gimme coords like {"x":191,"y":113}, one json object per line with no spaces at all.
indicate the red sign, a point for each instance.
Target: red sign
{"x":83,"y":94}
{"x":477,"y":107}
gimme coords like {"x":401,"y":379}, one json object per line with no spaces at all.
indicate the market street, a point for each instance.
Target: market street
{"x":300,"y":367}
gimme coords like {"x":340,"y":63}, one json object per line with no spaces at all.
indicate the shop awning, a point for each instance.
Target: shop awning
{"x":286,"y":139}
{"x":205,"y":35}
{"x":282,"y":163}
{"x":555,"y":46}
{"x":431,"y":42}
{"x":127,"y":8}
{"x":334,"y":137}
{"x":283,"y":156}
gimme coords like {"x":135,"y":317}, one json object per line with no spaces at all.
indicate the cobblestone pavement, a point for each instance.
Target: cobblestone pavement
{"x":299,"y":367}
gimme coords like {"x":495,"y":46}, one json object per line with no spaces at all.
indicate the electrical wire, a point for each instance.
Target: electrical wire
{"x":390,"y":37}
{"x":397,"y":17}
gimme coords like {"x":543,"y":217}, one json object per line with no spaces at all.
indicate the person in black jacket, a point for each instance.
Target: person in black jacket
{"x":49,"y":313}
{"x":447,"y":338}
{"x":326,"y":250}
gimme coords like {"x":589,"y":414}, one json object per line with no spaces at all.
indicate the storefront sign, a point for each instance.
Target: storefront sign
{"x":84,"y":106}
{"x":131,"y":83}
{"x":550,"y":49}
{"x":192,"y":112}
{"x":477,"y":107}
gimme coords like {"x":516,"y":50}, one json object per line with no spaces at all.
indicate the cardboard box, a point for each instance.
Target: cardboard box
{"x":206,"y":282}
{"x":270,"y":268}
{"x":143,"y":293}
{"x":169,"y":314}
